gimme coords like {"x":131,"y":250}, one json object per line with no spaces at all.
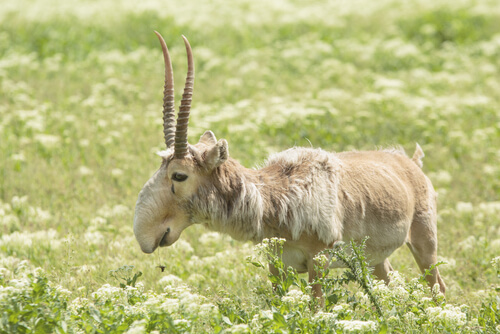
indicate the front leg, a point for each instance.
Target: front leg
{"x":316,"y":288}
{"x":275,"y":272}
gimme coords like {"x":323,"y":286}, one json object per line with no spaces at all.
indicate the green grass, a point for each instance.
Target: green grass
{"x":80,"y":121}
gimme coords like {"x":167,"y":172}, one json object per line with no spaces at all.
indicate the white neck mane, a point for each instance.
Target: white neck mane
{"x":294,"y":193}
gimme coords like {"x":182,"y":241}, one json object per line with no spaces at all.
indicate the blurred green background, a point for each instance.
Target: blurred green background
{"x":80,"y":120}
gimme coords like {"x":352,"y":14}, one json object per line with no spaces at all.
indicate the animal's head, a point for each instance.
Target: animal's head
{"x":162,"y":209}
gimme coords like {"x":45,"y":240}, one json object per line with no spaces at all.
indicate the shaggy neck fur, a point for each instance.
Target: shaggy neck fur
{"x":279,"y":200}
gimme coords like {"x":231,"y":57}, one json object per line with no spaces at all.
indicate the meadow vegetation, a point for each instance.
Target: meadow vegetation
{"x":80,"y":122}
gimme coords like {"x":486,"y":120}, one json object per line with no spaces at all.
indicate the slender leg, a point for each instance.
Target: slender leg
{"x":423,"y":245}
{"x":316,"y":288}
{"x":382,"y":270}
{"x":274,"y":272}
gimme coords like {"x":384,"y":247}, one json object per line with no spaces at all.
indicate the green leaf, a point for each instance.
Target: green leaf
{"x":279,"y":318}
{"x":257,"y":264}
{"x":226,"y":320}
{"x":333,"y":299}
{"x":383,"y":329}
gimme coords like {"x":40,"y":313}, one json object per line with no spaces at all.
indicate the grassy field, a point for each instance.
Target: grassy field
{"x":80,"y":122}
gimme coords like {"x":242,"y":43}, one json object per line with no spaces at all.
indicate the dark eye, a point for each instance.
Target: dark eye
{"x":179,"y":177}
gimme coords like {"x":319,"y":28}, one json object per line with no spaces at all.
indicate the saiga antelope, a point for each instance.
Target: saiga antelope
{"x":310,"y":197}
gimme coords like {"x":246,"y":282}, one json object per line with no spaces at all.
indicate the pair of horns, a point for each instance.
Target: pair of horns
{"x":176,"y":134}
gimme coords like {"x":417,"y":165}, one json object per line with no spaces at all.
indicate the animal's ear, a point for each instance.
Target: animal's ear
{"x":208,"y":138}
{"x":217,"y":155}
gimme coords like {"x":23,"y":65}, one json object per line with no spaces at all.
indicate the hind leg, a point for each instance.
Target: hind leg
{"x":382,"y":271}
{"x":423,"y":245}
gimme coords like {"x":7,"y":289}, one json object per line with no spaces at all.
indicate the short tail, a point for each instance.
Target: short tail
{"x":418,"y":156}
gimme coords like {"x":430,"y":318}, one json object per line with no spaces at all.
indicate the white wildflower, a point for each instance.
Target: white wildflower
{"x":357,"y":325}
{"x":256,"y":323}
{"x":47,"y":141}
{"x":38,"y":214}
{"x":102,"y":123}
{"x":494,"y":245}
{"x":380,"y":287}
{"x":20,"y":284}
{"x":396,"y":279}
{"x":182,"y":323}
{"x":36,"y":124}
{"x":495,"y":262}
{"x":118,"y":210}
{"x":207,"y":310}
{"x":340,"y":308}
{"x":184,"y":246}
{"x":490,"y":208}
{"x":449,"y":262}
{"x":296,"y":297}
{"x":9,"y":220}
{"x":45,"y":238}
{"x":4,"y":272}
{"x":383,"y":82}
{"x":63,"y":291}
{"x":85,"y":171}
{"x":23,"y":266}
{"x":240,"y":328}
{"x":325,"y":316}
{"x":18,"y":157}
{"x":98,"y":221}
{"x":116,"y":172}
{"x":400,"y":292}
{"x":410,"y":317}
{"x":449,"y":315}
{"x":436,"y":290}
{"x":321,"y":260}
{"x":169,"y":280}
{"x":442,"y":177}
{"x":266,"y":314}
{"x":19,"y":202}
{"x":86,"y":269}
{"x":464,"y":207}
{"x":170,"y":305}
{"x":94,"y":237}
{"x":489,"y":169}
{"x":468,"y":243}
{"x":137,"y":327}
{"x":209,"y":238}
{"x":195,"y":279}
{"x":108,"y":292}
{"x":127,"y":118}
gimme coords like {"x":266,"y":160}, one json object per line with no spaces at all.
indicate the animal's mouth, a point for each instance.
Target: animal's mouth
{"x":164,"y":242}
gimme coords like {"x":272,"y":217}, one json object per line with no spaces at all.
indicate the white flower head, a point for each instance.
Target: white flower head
{"x":169,"y":280}
{"x":47,"y":141}
{"x":19,"y":202}
{"x":137,"y":327}
{"x":296,"y":297}
{"x":116,"y":172}
{"x":357,"y":325}
{"x":239,"y":329}
{"x":449,"y":315}
{"x":464,"y":207}
{"x":85,"y":171}
{"x":208,"y":238}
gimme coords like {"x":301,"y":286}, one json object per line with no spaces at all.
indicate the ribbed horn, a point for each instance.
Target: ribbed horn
{"x":181,"y":144}
{"x":168,"y":96}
